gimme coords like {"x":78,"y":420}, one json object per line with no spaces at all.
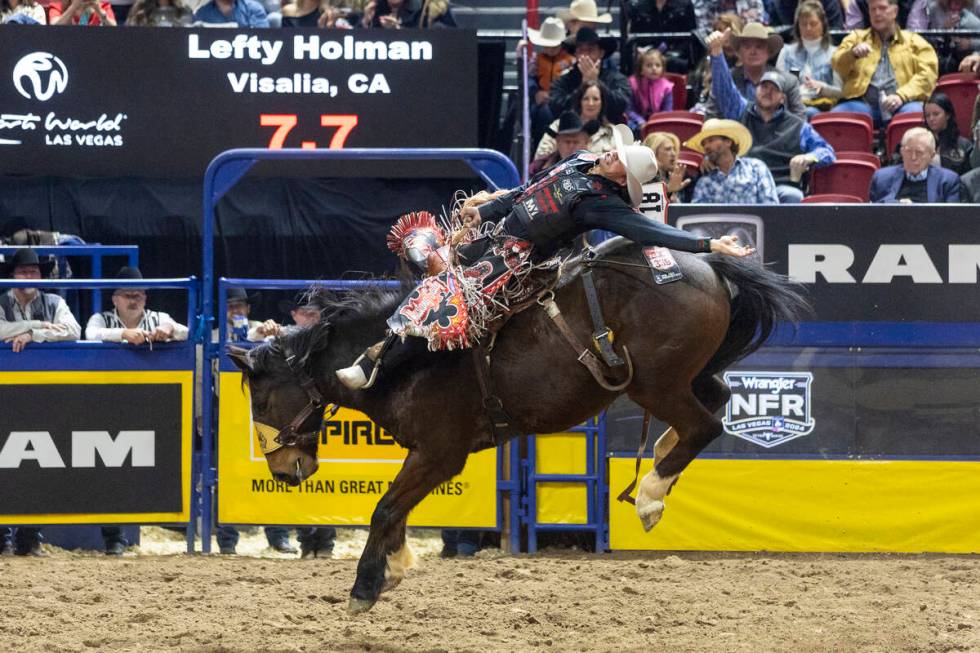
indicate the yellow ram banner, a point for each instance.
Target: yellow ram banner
{"x":358,"y":461}
{"x":807,"y":505}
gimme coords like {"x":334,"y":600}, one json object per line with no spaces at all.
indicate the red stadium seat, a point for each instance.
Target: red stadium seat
{"x":843,"y":177}
{"x":692,"y":161}
{"x":682,"y":124}
{"x":859,"y":156}
{"x":830,"y":198}
{"x":680,"y":90}
{"x":962,"y":91}
{"x":897,"y":126}
{"x":844,"y":131}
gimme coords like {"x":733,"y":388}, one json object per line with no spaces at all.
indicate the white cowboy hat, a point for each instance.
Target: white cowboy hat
{"x":585,"y":11}
{"x":639,"y":161}
{"x":730,"y":129}
{"x":552,"y":33}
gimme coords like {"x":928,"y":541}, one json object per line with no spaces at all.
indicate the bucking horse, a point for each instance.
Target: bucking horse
{"x":679,"y":336}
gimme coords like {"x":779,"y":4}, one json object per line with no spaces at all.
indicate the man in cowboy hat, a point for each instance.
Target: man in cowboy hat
{"x":755,"y":46}
{"x":583,"y":13}
{"x":27,"y":315}
{"x":129,"y":320}
{"x":547,"y":64}
{"x":589,"y":51}
{"x":735,"y":179}
{"x":581,"y":193}
{"x":786,"y":143}
{"x":570,"y":136}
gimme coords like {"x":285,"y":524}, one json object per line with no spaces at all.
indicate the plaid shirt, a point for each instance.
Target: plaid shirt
{"x":748,"y":182}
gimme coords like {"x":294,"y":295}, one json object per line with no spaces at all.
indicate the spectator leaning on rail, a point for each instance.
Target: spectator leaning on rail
{"x":785,"y":143}
{"x":589,"y":51}
{"x":734,"y":179}
{"x":808,"y":59}
{"x":27,"y":315}
{"x":244,"y":13}
{"x":130,"y":321}
{"x":917,"y":180}
{"x":755,"y":46}
{"x":885,"y":69}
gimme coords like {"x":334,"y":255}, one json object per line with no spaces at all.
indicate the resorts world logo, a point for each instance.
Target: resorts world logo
{"x":769,"y":408}
{"x":40,"y":75}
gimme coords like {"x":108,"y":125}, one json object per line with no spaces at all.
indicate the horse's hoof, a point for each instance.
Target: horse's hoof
{"x":357,"y":606}
{"x":650,"y":514}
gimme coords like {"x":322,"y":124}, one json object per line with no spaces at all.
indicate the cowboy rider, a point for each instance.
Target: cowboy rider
{"x":581,"y":193}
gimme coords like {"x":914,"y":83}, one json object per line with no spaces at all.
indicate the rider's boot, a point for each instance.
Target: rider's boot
{"x":366,"y":369}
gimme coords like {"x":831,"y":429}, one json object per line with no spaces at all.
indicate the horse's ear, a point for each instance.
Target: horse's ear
{"x":241,"y":359}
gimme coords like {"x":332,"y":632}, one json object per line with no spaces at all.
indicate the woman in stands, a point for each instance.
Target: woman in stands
{"x":808,"y":59}
{"x":666,"y":148}
{"x":22,"y":11}
{"x":160,"y":13}
{"x":591,"y":103}
{"x":940,"y":118}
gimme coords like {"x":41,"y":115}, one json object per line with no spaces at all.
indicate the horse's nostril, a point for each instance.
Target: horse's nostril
{"x":283,"y":478}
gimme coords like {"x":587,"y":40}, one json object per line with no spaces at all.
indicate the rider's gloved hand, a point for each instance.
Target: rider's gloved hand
{"x":470,"y":215}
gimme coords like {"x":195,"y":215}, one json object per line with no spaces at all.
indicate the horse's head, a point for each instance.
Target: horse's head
{"x":287,"y":406}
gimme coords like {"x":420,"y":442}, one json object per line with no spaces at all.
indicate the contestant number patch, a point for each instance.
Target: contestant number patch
{"x":662,"y":265}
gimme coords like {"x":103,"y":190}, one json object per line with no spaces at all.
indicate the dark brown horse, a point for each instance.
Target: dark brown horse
{"x":680,"y":335}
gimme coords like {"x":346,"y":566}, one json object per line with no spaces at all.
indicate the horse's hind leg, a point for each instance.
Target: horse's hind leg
{"x":386,"y":551}
{"x":693,"y":427}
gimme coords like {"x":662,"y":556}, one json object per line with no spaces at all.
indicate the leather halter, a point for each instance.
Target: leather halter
{"x":290,"y":435}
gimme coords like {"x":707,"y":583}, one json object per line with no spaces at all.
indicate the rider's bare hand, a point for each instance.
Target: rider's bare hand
{"x":729,"y":245}
{"x":470,"y":216}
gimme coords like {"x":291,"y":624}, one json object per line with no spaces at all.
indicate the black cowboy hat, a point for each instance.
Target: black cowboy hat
{"x":570,"y":122}
{"x":311,"y":299}
{"x":239,"y":295}
{"x":128,"y":272}
{"x":588,"y":35}
{"x":27,"y":256}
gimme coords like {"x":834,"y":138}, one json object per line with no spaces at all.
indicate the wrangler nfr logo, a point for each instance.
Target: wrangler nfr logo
{"x":769,"y":408}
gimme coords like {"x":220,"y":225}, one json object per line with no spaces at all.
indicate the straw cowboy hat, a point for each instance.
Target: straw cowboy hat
{"x":759,"y":31}
{"x":639,"y":161}
{"x":730,"y":129}
{"x":552,"y":33}
{"x":585,"y":11}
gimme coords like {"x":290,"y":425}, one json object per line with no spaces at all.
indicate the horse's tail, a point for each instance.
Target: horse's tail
{"x":762,"y":298}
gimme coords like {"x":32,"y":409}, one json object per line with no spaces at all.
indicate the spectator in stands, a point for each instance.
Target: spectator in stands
{"x":706,"y":11}
{"x":882,"y":81}
{"x":570,"y":136}
{"x":90,"y":13}
{"x":652,"y":92}
{"x":659,"y":16}
{"x":547,"y":63}
{"x":733,"y":179}
{"x":244,"y":13}
{"x":700,"y":80}
{"x":160,"y":13}
{"x":755,"y":46}
{"x":590,"y":103}
{"x":583,"y":13}
{"x":939,"y":117}
{"x":313,"y":13}
{"x":589,"y":51}
{"x":130,"y":321}
{"x":27,"y":315}
{"x":917,"y":179}
{"x":948,"y":15}
{"x":22,"y":11}
{"x":786,"y":143}
{"x":857,"y":14}
{"x":808,"y":59}
{"x":666,"y":148}
{"x":786,"y":11}
{"x":398,"y":14}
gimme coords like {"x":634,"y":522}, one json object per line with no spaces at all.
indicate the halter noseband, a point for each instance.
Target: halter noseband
{"x":290,"y":435}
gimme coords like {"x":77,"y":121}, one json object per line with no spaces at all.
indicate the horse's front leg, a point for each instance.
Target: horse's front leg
{"x":386,"y":552}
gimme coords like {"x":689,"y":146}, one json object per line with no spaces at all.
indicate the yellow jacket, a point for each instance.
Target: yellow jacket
{"x":912,"y":58}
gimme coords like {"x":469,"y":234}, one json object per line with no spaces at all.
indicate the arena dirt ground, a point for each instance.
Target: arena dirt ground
{"x":556,"y":601}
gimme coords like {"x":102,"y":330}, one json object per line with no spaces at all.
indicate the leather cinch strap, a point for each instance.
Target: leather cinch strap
{"x":601,"y":334}
{"x":492,"y":405}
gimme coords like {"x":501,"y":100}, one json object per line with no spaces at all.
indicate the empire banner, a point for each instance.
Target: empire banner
{"x":162,"y":103}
